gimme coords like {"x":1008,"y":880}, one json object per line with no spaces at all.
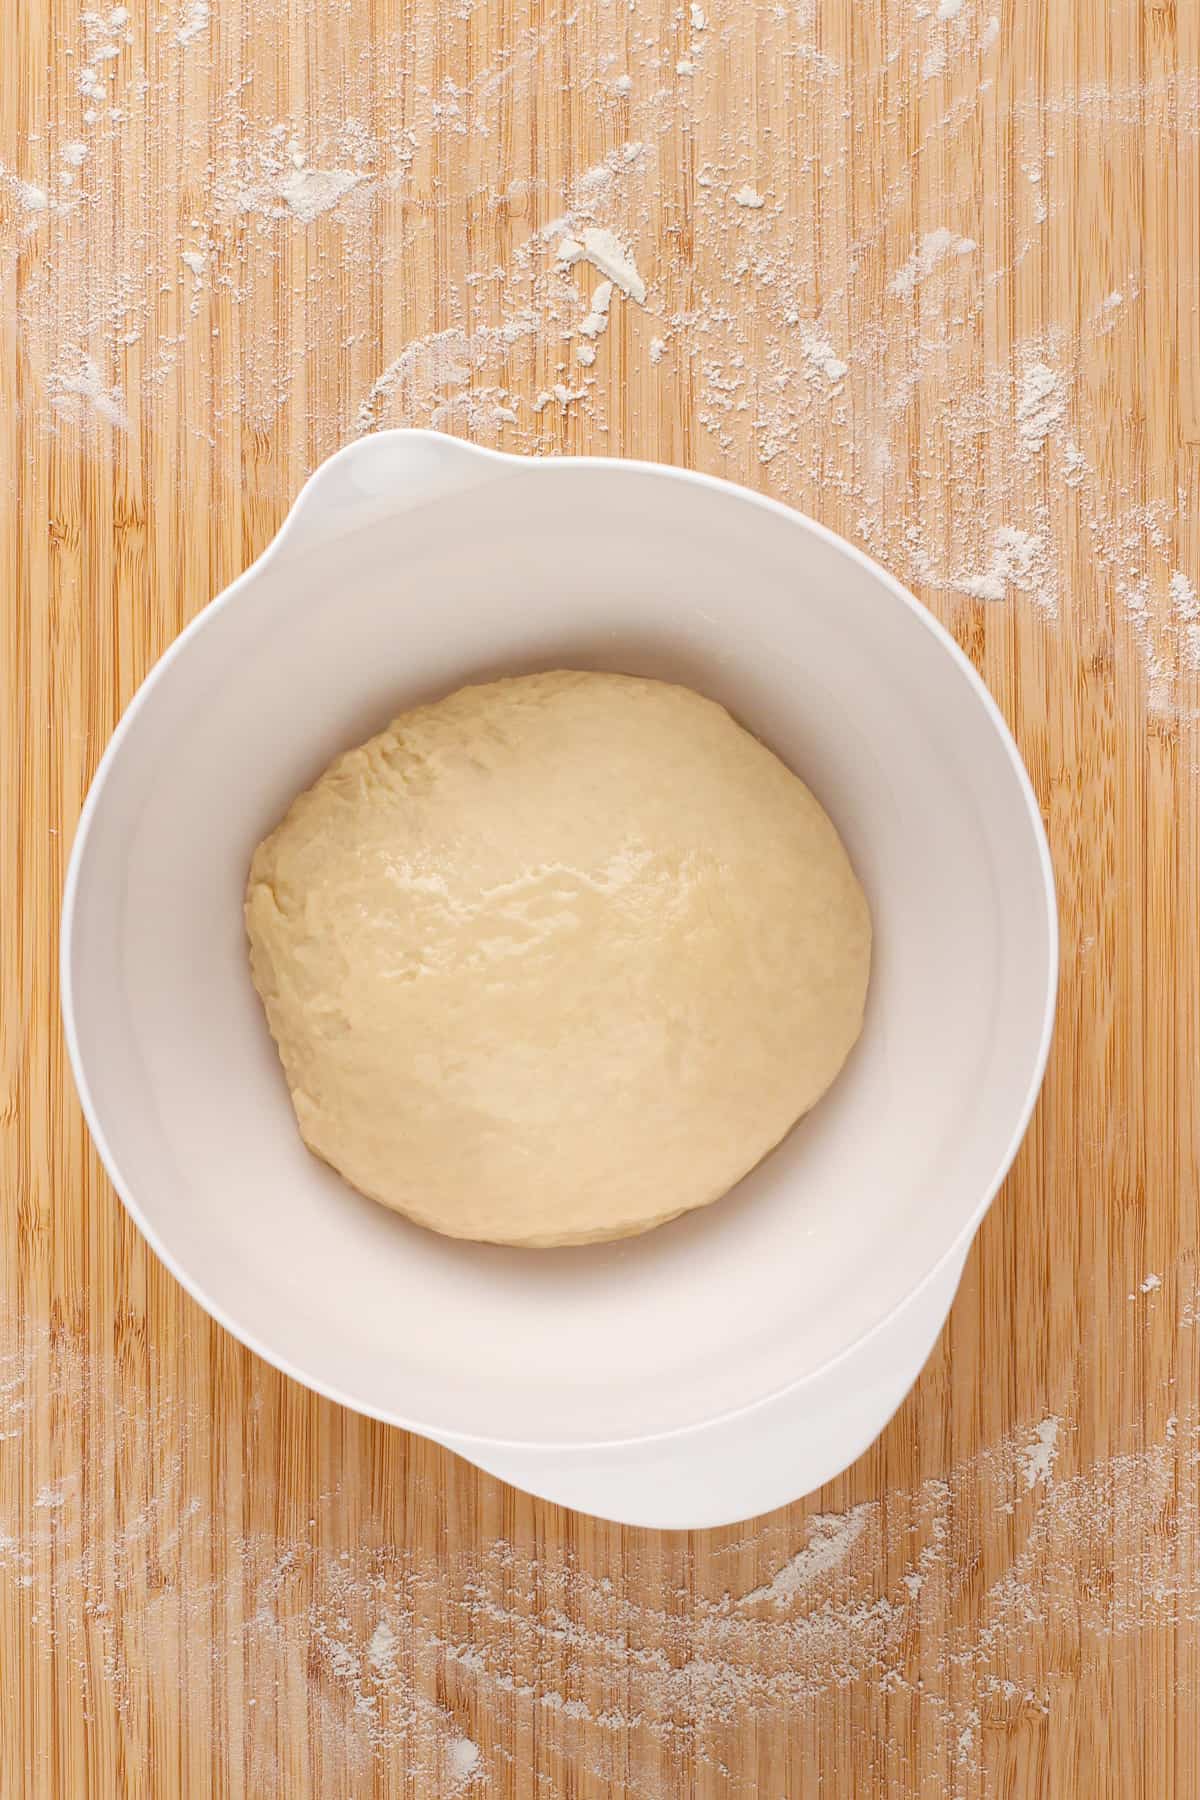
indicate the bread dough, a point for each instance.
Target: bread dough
{"x":556,"y":959}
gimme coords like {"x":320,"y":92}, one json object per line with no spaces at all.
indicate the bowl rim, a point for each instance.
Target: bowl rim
{"x":91,"y":807}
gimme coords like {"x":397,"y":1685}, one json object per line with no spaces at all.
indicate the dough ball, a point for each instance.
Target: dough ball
{"x":557,"y":958}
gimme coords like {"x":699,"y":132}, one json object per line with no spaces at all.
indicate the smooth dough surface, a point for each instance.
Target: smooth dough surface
{"x":556,"y":959}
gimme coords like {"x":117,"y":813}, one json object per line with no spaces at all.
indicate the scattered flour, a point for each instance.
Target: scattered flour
{"x":823,"y":413}
{"x":194,"y":19}
{"x":935,"y":62}
{"x":1040,"y":406}
{"x":1037,"y":1459}
{"x":1019,"y":560}
{"x":596,"y":321}
{"x":606,"y":253}
{"x":831,"y":1538}
{"x":1183,"y":596}
{"x":387,"y":1650}
{"x":933,"y":248}
{"x":381,"y":1651}
{"x":1185,"y":620}
{"x":462,"y":1763}
{"x":819,"y":353}
{"x":883,"y":1607}
{"x":299,"y":193}
{"x":76,"y":387}
{"x":309,"y":192}
{"x":431,"y":369}
{"x":32,"y":197}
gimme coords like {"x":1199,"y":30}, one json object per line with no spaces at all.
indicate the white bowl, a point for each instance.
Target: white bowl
{"x":409,"y":564}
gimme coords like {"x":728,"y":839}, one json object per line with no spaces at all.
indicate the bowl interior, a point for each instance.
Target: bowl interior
{"x":531,"y":566}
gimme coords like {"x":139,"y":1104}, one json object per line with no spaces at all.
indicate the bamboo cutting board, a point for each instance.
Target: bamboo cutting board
{"x":927,"y":271}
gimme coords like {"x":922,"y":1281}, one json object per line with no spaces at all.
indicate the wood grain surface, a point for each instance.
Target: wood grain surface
{"x":962,"y":329}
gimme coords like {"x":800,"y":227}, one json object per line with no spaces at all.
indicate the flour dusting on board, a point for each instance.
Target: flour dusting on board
{"x":376,"y":248}
{"x":1037,"y":1458}
{"x":194,"y":19}
{"x":393,"y":1647}
{"x":815,"y":342}
{"x":832,"y":1536}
